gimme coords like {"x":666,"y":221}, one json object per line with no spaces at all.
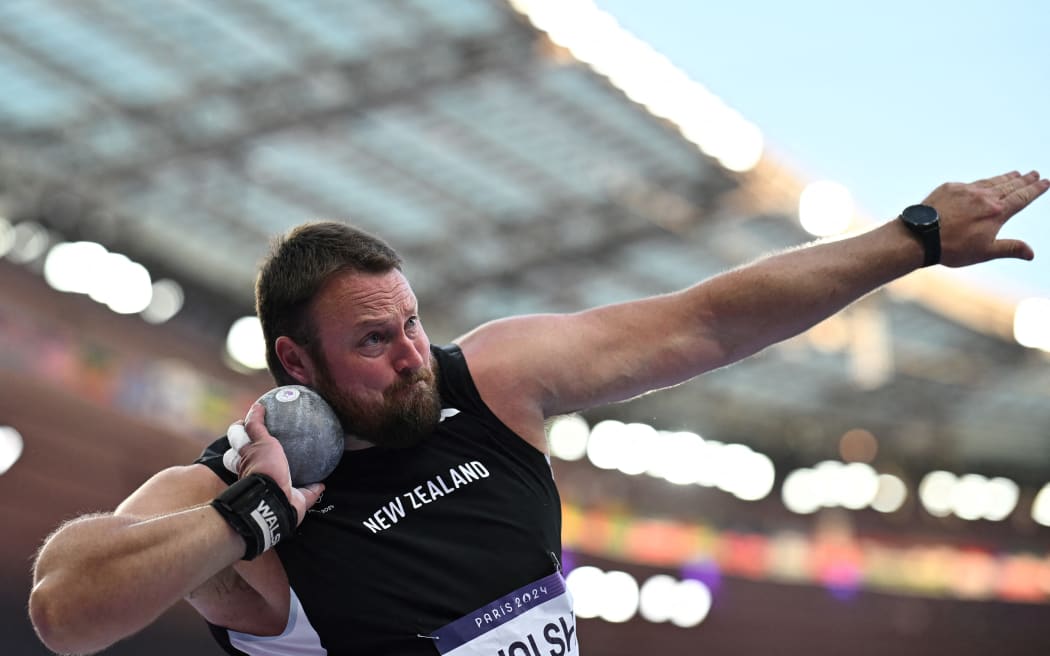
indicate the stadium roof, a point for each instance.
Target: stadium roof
{"x":513,"y":178}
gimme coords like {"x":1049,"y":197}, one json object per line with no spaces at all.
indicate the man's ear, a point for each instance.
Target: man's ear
{"x":296,"y":360}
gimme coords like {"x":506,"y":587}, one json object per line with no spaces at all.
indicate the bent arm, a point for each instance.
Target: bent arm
{"x":101,"y":578}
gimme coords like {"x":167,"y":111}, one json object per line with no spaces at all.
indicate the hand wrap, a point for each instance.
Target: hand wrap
{"x":257,"y":509}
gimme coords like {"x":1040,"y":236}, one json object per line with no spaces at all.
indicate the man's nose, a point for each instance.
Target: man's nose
{"x":407,"y":358}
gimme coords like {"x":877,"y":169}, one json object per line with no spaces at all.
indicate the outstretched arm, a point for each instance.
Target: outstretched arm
{"x":536,"y":366}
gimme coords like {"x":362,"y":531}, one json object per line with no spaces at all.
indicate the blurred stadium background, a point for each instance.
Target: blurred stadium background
{"x":876,"y":485}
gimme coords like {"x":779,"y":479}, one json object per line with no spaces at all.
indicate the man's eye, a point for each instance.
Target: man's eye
{"x":372,"y":340}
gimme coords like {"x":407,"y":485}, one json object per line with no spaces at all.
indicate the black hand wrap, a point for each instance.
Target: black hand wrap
{"x":257,"y":509}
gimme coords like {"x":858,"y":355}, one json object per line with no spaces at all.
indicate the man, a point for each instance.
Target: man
{"x":439,"y":529}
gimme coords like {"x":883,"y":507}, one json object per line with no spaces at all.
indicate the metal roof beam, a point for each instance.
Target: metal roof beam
{"x":318,"y":94}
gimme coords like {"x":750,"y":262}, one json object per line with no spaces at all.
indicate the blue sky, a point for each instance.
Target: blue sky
{"x":889,"y":98}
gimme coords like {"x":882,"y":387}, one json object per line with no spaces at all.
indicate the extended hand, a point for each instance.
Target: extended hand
{"x":972,"y":215}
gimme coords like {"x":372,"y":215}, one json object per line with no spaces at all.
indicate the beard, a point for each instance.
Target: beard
{"x":408,"y":413}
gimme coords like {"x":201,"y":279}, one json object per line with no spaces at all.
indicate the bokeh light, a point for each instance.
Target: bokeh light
{"x":11,"y":446}
{"x":245,"y":344}
{"x":1032,"y":323}
{"x":825,"y":208}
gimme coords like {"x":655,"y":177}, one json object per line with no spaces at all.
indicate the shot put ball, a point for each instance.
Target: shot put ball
{"x":307,"y":428}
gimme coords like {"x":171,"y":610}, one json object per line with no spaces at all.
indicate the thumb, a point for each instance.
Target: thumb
{"x":303,"y":498}
{"x":1012,"y":248}
{"x":313,"y":492}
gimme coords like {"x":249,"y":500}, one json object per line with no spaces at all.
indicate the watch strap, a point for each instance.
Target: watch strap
{"x":924,"y":222}
{"x":931,"y":242}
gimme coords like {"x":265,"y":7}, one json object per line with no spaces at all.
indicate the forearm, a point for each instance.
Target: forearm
{"x":748,"y":309}
{"x":100,"y":579}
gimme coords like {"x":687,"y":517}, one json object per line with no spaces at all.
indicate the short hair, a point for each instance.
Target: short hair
{"x":298,"y":265}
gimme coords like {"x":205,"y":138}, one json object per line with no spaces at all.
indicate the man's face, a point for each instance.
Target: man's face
{"x":373,"y":361}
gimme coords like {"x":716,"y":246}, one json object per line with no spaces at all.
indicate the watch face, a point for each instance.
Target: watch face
{"x":920,"y":215}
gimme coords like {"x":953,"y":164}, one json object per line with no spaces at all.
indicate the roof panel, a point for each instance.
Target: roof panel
{"x":678,"y":263}
{"x":245,"y":41}
{"x":526,"y":140}
{"x":328,"y":26}
{"x":91,"y":50}
{"x":32,"y":96}
{"x":564,"y":159}
{"x":460,"y":18}
{"x":301,"y":166}
{"x":488,"y":129}
{"x":270,"y":212}
{"x":570,"y":148}
{"x":383,"y":26}
{"x":350,"y":186}
{"x":421,"y":144}
{"x":203,"y":42}
{"x":592,"y":95}
{"x":117,"y":140}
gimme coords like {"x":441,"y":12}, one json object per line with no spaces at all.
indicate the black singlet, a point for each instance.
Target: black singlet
{"x":405,"y":541}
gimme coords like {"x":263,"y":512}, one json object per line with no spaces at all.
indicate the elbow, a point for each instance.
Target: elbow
{"x":56,"y":622}
{"x":44,"y":616}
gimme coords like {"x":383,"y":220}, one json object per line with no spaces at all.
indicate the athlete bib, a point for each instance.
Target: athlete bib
{"x":534,"y":620}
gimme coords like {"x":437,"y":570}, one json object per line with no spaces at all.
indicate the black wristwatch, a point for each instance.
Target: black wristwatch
{"x":925,"y":223}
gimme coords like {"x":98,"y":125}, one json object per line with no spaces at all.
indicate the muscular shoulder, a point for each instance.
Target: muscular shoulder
{"x":505,"y":380}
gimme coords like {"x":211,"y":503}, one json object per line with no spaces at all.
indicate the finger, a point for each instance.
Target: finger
{"x":997,"y":180}
{"x":309,"y":495}
{"x":255,"y":422}
{"x":232,"y":461}
{"x":1021,"y":197}
{"x":1012,"y":248}
{"x":1012,"y":184}
{"x":238,"y":436}
{"x":313,"y":492}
